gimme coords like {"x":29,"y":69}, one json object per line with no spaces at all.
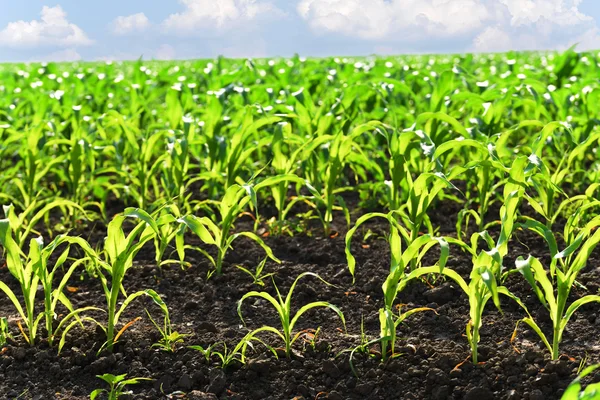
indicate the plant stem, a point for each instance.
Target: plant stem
{"x":219,"y":264}
{"x":110,"y":328}
{"x":555,"y":342}
{"x":475,"y":337}
{"x":48,"y":309}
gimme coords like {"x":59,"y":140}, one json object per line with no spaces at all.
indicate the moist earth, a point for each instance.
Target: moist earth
{"x":432,"y":355}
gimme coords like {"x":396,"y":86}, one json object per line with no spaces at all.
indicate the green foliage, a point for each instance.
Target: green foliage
{"x":401,"y":258}
{"x":120,"y":249}
{"x":4,"y":332}
{"x":258,"y":278}
{"x":220,"y":235}
{"x":225,"y":149}
{"x":591,"y":391}
{"x":283,"y":307}
{"x":32,"y":271}
{"x":553,"y":287}
{"x":227,"y":356}
{"x":169,"y":338}
{"x":117,"y":385}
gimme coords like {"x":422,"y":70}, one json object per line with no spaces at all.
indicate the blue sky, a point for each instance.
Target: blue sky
{"x":67,"y":30}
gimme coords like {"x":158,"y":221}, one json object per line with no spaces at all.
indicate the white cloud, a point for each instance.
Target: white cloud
{"x":589,"y":40}
{"x":165,"y":52}
{"x":560,"y":12}
{"x":489,"y":25}
{"x":221,"y":15}
{"x":380,"y":19}
{"x":53,"y":29}
{"x":493,"y":39}
{"x":66,"y":55}
{"x":131,"y":23}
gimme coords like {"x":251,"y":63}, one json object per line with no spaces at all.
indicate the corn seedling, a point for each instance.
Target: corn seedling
{"x":574,"y":390}
{"x":342,"y":149}
{"x":117,"y":385}
{"x":422,"y":193}
{"x":554,"y":286}
{"x":169,"y":338}
{"x":483,"y":168}
{"x":258,"y":278}
{"x":33,"y":271}
{"x":228,"y":356}
{"x":23,"y":224}
{"x":284,"y":164}
{"x":400,"y":260}
{"x":220,"y":235}
{"x":120,"y":250}
{"x":481,"y":288}
{"x":168,"y":228}
{"x":487,"y":273}
{"x":4,"y":331}
{"x":283,"y":307}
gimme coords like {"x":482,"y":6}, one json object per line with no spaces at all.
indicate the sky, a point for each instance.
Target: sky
{"x":71,"y":30}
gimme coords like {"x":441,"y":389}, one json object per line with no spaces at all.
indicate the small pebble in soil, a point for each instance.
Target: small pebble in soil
{"x":217,"y":381}
{"x":441,"y":294}
{"x":536,"y":395}
{"x":365,"y":389}
{"x":259,"y":366}
{"x":479,"y":393}
{"x":207,"y":327}
{"x":198,"y":395}
{"x":185,"y":382}
{"x":440,"y":393}
{"x":331,"y":369}
{"x":333,"y":395}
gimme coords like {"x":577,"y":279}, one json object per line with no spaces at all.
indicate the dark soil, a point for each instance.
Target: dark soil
{"x":432,"y":346}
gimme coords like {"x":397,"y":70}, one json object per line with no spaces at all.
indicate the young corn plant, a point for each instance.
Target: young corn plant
{"x":341,"y":149}
{"x":258,"y":278}
{"x":487,"y":274}
{"x":175,"y":166}
{"x":553,"y":287}
{"x":220,"y":235}
{"x":548,"y":188}
{"x":4,"y":331}
{"x":278,"y":185}
{"x":169,"y":338}
{"x":284,"y":164}
{"x":422,"y":193}
{"x":283,"y":307}
{"x":79,"y":174}
{"x":228,"y":356}
{"x":547,"y":179}
{"x":241,"y":148}
{"x":33,"y":271}
{"x":142,"y":185}
{"x":487,"y":265}
{"x":401,"y":146}
{"x":121,"y":250}
{"x":117,"y":385}
{"x":36,"y":165}
{"x":401,"y":258}
{"x":166,"y":221}
{"x":482,"y":286}
{"x":481,"y":170}
{"x":24,"y":223}
{"x":591,"y":391}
